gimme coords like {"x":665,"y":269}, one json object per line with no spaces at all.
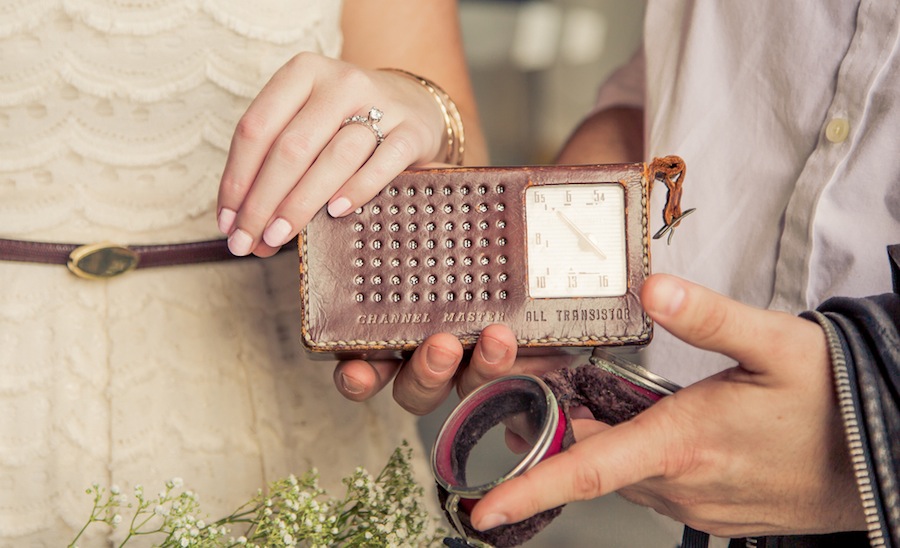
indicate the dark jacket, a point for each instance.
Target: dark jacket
{"x":864,"y":344}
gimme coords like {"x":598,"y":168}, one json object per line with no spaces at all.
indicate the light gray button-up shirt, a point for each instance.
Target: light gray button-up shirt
{"x":787,"y":115}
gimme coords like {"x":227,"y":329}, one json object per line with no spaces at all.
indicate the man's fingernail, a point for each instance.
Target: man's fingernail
{"x":351,"y":385}
{"x":668,"y":295}
{"x":492,"y":350}
{"x":339,"y":207}
{"x":490,"y":521}
{"x":239,"y":243}
{"x":438,"y":360}
{"x":277,"y":233}
{"x":226,"y":220}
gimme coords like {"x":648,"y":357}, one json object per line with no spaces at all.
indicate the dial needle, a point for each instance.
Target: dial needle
{"x":581,"y":234}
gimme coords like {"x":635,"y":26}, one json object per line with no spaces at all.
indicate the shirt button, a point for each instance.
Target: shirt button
{"x":837,"y":130}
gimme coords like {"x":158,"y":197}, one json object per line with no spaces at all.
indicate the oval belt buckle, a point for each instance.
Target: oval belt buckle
{"x":101,"y":260}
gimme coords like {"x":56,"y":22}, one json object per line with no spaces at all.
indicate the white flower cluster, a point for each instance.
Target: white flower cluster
{"x":382,"y":511}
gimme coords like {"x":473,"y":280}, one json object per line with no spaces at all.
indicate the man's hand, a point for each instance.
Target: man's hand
{"x":757,"y":449}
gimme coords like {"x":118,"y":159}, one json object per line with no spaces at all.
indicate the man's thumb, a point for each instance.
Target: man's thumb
{"x":708,"y":320}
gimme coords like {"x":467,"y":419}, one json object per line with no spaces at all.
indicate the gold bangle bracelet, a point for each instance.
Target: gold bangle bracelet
{"x":453,"y":123}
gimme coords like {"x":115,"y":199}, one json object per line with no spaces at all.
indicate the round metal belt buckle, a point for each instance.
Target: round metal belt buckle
{"x":102,"y":260}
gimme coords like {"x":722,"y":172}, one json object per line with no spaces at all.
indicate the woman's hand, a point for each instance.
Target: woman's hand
{"x":292,"y":152}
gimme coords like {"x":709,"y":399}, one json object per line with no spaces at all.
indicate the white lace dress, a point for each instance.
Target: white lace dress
{"x":115,"y":118}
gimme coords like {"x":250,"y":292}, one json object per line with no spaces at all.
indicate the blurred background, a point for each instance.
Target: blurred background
{"x":536,"y":66}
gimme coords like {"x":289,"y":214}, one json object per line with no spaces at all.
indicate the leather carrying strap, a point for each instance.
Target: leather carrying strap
{"x":611,"y":400}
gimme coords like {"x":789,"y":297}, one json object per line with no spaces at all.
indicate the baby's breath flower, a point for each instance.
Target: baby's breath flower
{"x":375,"y":511}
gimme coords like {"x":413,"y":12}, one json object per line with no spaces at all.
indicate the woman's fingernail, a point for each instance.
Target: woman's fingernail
{"x":668,"y":295}
{"x":239,"y":243}
{"x":226,"y":220}
{"x":278,"y":233}
{"x":351,"y":385}
{"x":492,"y":350}
{"x":438,"y":360}
{"x":339,"y":207}
{"x":490,"y":521}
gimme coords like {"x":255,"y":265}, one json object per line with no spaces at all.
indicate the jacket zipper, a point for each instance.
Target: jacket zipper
{"x":864,"y":479}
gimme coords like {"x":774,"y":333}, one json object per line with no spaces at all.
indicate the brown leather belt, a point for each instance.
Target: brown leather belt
{"x":105,"y":260}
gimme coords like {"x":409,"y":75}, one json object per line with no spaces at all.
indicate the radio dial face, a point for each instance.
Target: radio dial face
{"x":576,"y":241}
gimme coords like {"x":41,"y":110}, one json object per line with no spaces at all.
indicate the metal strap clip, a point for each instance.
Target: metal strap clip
{"x":671,"y":171}
{"x":452,"y":508}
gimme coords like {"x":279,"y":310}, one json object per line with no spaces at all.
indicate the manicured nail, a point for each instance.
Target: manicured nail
{"x":492,"y":350}
{"x":668,"y":295}
{"x":278,"y":233}
{"x":351,"y":385}
{"x":490,"y":521}
{"x":339,"y":207}
{"x":239,"y":243}
{"x":438,"y":360}
{"x":226,"y":220}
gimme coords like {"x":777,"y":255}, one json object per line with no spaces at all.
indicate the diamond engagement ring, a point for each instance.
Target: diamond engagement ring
{"x":370,"y":121}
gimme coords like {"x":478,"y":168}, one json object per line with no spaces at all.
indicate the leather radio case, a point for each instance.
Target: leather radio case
{"x":444,"y":250}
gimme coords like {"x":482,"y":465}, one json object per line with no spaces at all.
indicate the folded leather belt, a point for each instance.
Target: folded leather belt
{"x":105,"y":260}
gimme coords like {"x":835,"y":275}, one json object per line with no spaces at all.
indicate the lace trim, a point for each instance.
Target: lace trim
{"x":33,"y":87}
{"x":36,"y":83}
{"x":137,"y":19}
{"x":237,"y":20}
{"x":37,"y":60}
{"x":250,"y":19}
{"x":113,"y":148}
{"x":101,"y":201}
{"x":23,"y":16}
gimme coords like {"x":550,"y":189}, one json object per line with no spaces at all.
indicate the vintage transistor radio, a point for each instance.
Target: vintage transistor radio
{"x":558,"y":253}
